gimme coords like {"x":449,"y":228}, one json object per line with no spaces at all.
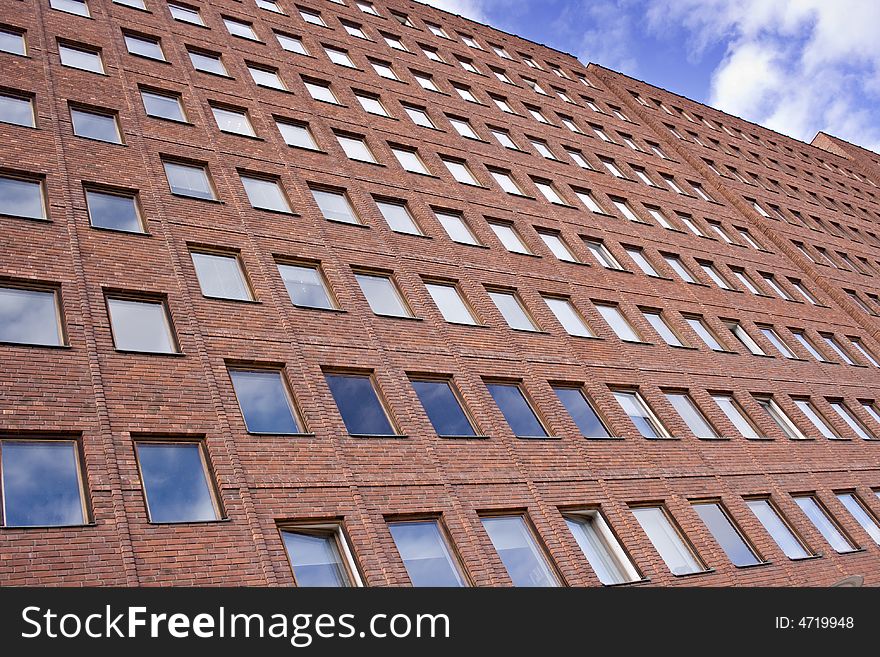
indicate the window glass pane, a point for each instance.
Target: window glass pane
{"x":640,"y":415}
{"x":163,"y":106}
{"x":512,"y":311}
{"x":450,"y":303}
{"x":570,"y":319}
{"x":16,"y":110}
{"x":817,"y":420}
{"x":777,"y":342}
{"x":691,"y":414}
{"x":460,"y":172}
{"x":335,"y":206}
{"x":185,"y":14}
{"x":12,"y":42}
{"x":83,"y":59}
{"x":516,"y":410}
{"x":22,"y":198}
{"x":456,"y":228}
{"x":372,"y":105}
{"x":823,"y":522}
{"x":297,"y":135}
{"x":291,"y":44}
{"x":114,"y":211}
{"x":382,"y":295}
{"x":778,"y":529}
{"x":678,"y":267}
{"x":29,"y":317}
{"x":233,"y":121}
{"x":557,"y":247}
{"x":443,"y":408}
{"x":305,"y":285}
{"x":508,"y":236}
{"x":321,"y":92}
{"x":315,"y":559}
{"x":175,"y":482}
{"x":667,"y":541}
{"x":643,"y":263}
{"x":516,"y":546}
{"x":207,"y":63}
{"x":858,"y":428}
{"x":95,"y":126}
{"x":141,"y":326}
{"x":189,"y":180}
{"x":264,"y":401}
{"x":356,"y":148}
{"x":655,"y":319}
{"x":41,"y":483}
{"x":144,"y":47}
{"x":398,"y":217}
{"x":780,"y":419}
{"x":425,"y":554}
{"x":78,"y":7}
{"x":601,"y":548}
{"x":581,"y":411}
{"x":359,"y":405}
{"x":220,"y":276}
{"x":619,"y":323}
{"x":729,"y":538}
{"x":862,"y":516}
{"x":731,"y":408}
{"x":265,"y":194}
{"x":704,"y":333}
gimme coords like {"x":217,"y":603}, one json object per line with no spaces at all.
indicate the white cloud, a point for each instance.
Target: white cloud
{"x":473,"y":9}
{"x":796,"y":66}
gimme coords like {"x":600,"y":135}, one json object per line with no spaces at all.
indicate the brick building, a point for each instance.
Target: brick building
{"x":349,"y":292}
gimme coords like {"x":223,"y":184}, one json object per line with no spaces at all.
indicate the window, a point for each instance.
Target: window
{"x":506,"y":182}
{"x":804,"y":292}
{"x":600,"y":546}
{"x":410,"y":160}
{"x":603,"y":255}
{"x":517,"y":410}
{"x":335,"y":206}
{"x":266,"y":77}
{"x":638,"y":256}
{"x":22,"y":197}
{"x":570,"y":318}
{"x":185,"y":14}
{"x":503,"y":105}
{"x":419,"y":116}
{"x":207,"y":63}
{"x":358,"y":403}
{"x":384,"y":70}
{"x":780,"y":419}
{"x":657,"y":150}
{"x":426,"y":82}
{"x":508,"y":236}
{"x":746,"y":281}
{"x":30,"y":316}
{"x":691,"y":414}
{"x":861,"y":514}
{"x":339,"y":57}
{"x":688,"y":221}
{"x":557,"y":246}
{"x":426,"y":554}
{"x":451,"y":305}
{"x":372,"y":104}
{"x":356,"y":148}
{"x":460,"y":171}
{"x":367,"y":8}
{"x":319,"y":556}
{"x":17,"y":110}
{"x":234,"y":121}
{"x":807,"y":344}
{"x":144,"y":46}
{"x":463,"y":127}
{"x":619,"y":323}
{"x":587,"y":199}
{"x":863,"y":350}
{"x":647,"y":424}
{"x":515,"y":543}
{"x":624,"y":209}
{"x":175,"y":480}
{"x":394,"y":42}
{"x":537,"y":115}
{"x":748,"y":239}
{"x":383,"y":296}
{"x":220,"y":276}
{"x":659,"y":217}
{"x":612,"y":167}
{"x":42,"y":483}
{"x":78,"y":7}
{"x":501,"y":52}
{"x":778,"y":528}
{"x":579,"y":159}
{"x":548,"y":191}
{"x":265,"y":401}
{"x":306,"y":286}
{"x":870,"y":409}
{"x":398,"y":217}
{"x":355,"y":31}
{"x":240,"y":29}
{"x":321,"y":91}
{"x":312,"y":17}
{"x":851,"y":420}
{"x":296,"y":134}
{"x":832,"y":342}
{"x":12,"y":41}
{"x":95,"y":125}
{"x":141,"y":325}
{"x":737,"y":416}
{"x":659,"y":324}
{"x":291,"y":43}
{"x":774,"y":338}
{"x":728,"y":535}
{"x":511,"y":309}
{"x":670,"y":181}
{"x":815,"y":417}
{"x":698,"y":325}
{"x":265,"y":194}
{"x":744,"y":338}
{"x":403,"y":19}
{"x":468,"y":65}
{"x":702,"y":193}
{"x":770,"y":279}
{"x":825,"y":523}
{"x":163,"y":105}
{"x":643,"y":176}
{"x":443,"y":407}
{"x":582,"y":412}
{"x":667,"y":540}
{"x":270,"y":5}
{"x":456,"y":227}
{"x":432,"y":54}
{"x":114,"y":210}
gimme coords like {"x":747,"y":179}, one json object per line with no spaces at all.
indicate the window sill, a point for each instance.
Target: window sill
{"x":216,"y":201}
{"x":45,"y":527}
{"x":395,"y":436}
{"x":165,"y":354}
{"x":600,"y":439}
{"x":754,"y":565}
{"x":325,"y":310}
{"x":707,"y":571}
{"x":175,"y":523}
{"x":474,"y":437}
{"x":538,"y":437}
{"x":714,"y":439}
{"x":352,"y":224}
{"x":403,"y":317}
{"x":253,"y":302}
{"x":149,"y":59}
{"x":686,"y":347}
{"x":264,"y":434}
{"x":241,"y":134}
{"x":168,"y":120}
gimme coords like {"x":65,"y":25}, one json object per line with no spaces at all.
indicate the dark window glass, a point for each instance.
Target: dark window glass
{"x":264,"y":401}
{"x":443,"y":408}
{"x":728,"y":537}
{"x":516,"y":410}
{"x":359,"y":405}
{"x":176,"y":482}
{"x":582,"y":413}
{"x":114,"y":211}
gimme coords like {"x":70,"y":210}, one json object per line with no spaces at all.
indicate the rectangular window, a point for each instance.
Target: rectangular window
{"x":208,"y":63}
{"x":321,"y":91}
{"x":95,"y":125}
{"x":770,"y":279}
{"x":698,"y":326}
{"x":234,"y":121}
{"x":524,"y":560}
{"x":825,"y":523}
{"x":504,"y":139}
{"x":710,"y":271}
{"x":601,"y":547}
{"x":460,"y":171}
{"x":426,"y":554}
{"x":603,"y":255}
{"x":335,"y":206}
{"x":774,"y":338}
{"x":679,"y":268}
{"x":582,"y":412}
{"x":382,"y":295}
{"x":668,"y":540}
{"x":163,"y":105}
{"x":185,"y":14}
{"x":269,"y":5}
{"x":862,"y":515}
{"x":548,"y":191}
{"x":463,"y":127}
{"x":746,"y":281}
{"x":517,"y":410}
{"x":451,"y":305}
{"x":638,"y":256}
{"x":737,"y":416}
{"x":141,"y":325}
{"x":30,"y":316}
{"x":291,"y":43}
{"x":265,"y":194}
{"x":744,"y":338}
{"x":189,"y":180}
{"x":297,"y":134}
{"x":312,"y":17}
{"x":16,"y":109}
{"x":372,"y":104}
{"x":664,"y":330}
{"x":306,"y":286}
{"x":691,"y":414}
{"x":569,"y":317}
{"x":816,"y":418}
{"x":587,"y":199}
{"x":144,"y":46}
{"x":726,"y":533}
{"x":320,"y":556}
{"x":806,"y":343}
{"x":410,"y":160}
{"x":851,"y":420}
{"x":612,"y":168}
{"x":398,"y":217}
{"x":419,"y":116}
{"x":42,"y":483}
{"x":863,"y":350}
{"x":266,"y":77}
{"x":265,"y":401}
{"x":443,"y":407}
{"x":506,"y":182}
{"x":240,"y":29}
{"x":114,"y":210}
{"x":359,"y":405}
{"x":456,"y":227}
{"x":78,"y":7}
{"x":384,"y":70}
{"x":648,"y":424}
{"x":619,"y":323}
{"x":508,"y":236}
{"x":778,"y":528}
{"x":22,"y":197}
{"x":12,"y":41}
{"x":512,"y":310}
{"x":780,"y":418}
{"x":220,"y":276}
{"x":832,"y":342}
{"x":579,"y":159}
{"x":356,"y":148}
{"x":426,"y":82}
{"x":176,"y":482}
{"x":557,"y":246}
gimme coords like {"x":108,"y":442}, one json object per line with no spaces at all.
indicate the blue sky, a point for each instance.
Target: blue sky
{"x":795,"y":66}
